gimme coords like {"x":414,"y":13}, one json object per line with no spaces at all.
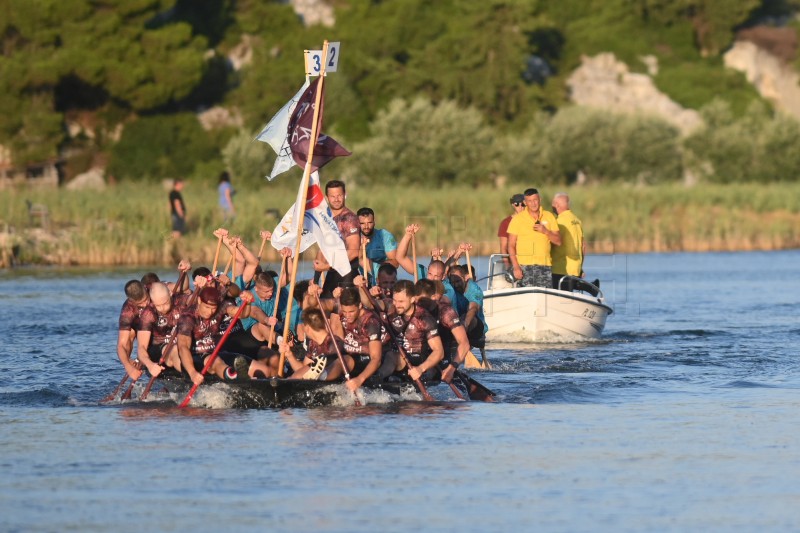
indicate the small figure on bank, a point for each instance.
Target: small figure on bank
{"x":226,"y":192}
{"x":177,"y":209}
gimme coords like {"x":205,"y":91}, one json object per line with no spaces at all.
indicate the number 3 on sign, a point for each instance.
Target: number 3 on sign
{"x":314,"y":60}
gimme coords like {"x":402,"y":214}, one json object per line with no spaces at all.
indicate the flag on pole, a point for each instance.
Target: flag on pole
{"x":318,"y":227}
{"x":299,"y":132}
{"x":275,"y":134}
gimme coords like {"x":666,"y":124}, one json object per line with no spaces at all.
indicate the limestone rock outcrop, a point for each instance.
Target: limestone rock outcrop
{"x":776,"y":80}
{"x":604,"y":82}
{"x":314,"y":12}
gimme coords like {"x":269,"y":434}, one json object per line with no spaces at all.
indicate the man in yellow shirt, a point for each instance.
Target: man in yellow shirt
{"x":530,"y":236}
{"x":568,"y":256}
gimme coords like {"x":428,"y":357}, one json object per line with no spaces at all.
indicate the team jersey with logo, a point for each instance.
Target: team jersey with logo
{"x":327,"y":347}
{"x":162,"y":325}
{"x":204,"y":332}
{"x":365,"y":329}
{"x":347,"y":222}
{"x":414,"y":332}
{"x":130,"y":316}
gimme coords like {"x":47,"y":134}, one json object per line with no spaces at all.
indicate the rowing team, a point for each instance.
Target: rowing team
{"x":394,"y":328}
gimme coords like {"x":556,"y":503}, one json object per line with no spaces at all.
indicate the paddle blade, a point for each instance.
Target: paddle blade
{"x":147,"y":389}
{"x":188,"y":398}
{"x":128,"y":391}
{"x":114,"y":393}
{"x":475,"y":390}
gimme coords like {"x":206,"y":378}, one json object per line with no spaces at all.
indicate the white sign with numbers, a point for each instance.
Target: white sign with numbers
{"x":314,"y":60}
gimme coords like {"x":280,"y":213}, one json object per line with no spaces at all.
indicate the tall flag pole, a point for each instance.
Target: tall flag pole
{"x":302,"y":207}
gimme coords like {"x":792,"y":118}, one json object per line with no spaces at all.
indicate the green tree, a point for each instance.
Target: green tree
{"x":161,"y":146}
{"x":423,"y":143}
{"x":248,"y":161}
{"x":758,"y":146}
{"x":60,"y":55}
{"x":603,"y":146}
{"x":713,"y":21}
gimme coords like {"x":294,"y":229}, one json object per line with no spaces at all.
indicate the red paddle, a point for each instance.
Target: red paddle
{"x":213,"y":357}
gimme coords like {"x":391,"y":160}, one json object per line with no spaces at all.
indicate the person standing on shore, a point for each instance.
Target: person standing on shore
{"x":226,"y":192}
{"x":177,"y":209}
{"x":568,"y":256}
{"x":530,"y":236}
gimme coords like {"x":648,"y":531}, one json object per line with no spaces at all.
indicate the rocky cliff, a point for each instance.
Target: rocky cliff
{"x":604,"y":82}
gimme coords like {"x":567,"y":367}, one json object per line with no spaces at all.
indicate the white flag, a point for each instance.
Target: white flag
{"x":318,"y":227}
{"x":275,"y":134}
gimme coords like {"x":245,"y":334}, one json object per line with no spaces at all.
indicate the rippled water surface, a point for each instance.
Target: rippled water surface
{"x":683,"y":417}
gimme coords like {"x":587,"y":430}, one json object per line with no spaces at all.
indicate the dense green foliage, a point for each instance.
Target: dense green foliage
{"x":161,"y":146}
{"x":761,"y":146}
{"x":419,"y":144}
{"x":599,"y":145}
{"x":427,"y":91}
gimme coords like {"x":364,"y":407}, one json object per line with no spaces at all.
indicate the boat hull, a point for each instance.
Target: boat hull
{"x":277,"y":392}
{"x":536,"y":314}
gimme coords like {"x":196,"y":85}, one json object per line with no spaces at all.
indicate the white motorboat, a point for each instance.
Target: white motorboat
{"x":536,"y":314}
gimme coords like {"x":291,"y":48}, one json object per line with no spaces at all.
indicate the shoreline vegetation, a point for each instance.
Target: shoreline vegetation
{"x":128,"y":224}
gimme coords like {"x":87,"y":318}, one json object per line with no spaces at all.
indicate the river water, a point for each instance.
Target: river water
{"x":683,"y":418}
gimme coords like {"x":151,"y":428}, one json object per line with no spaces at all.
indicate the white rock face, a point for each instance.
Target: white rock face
{"x":314,"y":12}
{"x":241,"y":55}
{"x":91,"y":179}
{"x":604,"y":82}
{"x":219,"y":117}
{"x":773,"y":79}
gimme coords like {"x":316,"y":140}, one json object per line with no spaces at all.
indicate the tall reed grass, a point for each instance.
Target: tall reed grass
{"x":128,"y":224}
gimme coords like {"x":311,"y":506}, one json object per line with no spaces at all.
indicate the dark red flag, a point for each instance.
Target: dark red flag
{"x":300,"y":132}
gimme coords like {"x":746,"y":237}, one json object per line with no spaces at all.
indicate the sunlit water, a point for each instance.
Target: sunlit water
{"x":683,"y":417}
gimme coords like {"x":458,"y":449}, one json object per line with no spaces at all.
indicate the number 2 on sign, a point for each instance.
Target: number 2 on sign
{"x":314,"y":60}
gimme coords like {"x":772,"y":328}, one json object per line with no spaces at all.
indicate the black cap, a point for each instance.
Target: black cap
{"x":517,"y":199}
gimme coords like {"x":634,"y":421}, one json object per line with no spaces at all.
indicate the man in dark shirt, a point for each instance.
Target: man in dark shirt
{"x":135,"y":307}
{"x":177,"y":209}
{"x":416,"y":330}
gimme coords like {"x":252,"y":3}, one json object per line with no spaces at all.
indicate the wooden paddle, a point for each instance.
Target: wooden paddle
{"x":119,"y":387}
{"x":456,"y":391}
{"x":227,"y":266}
{"x":366,"y":262}
{"x":475,"y":390}
{"x":418,"y":382}
{"x":335,"y":345}
{"x":216,"y":256}
{"x":469,"y":265}
{"x":261,"y":249}
{"x":214,"y":355}
{"x":414,"y":256}
{"x":472,"y":362}
{"x":277,"y":294}
{"x":233,"y":263}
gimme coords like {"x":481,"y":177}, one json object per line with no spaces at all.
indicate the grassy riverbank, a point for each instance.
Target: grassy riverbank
{"x":128,"y":224}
